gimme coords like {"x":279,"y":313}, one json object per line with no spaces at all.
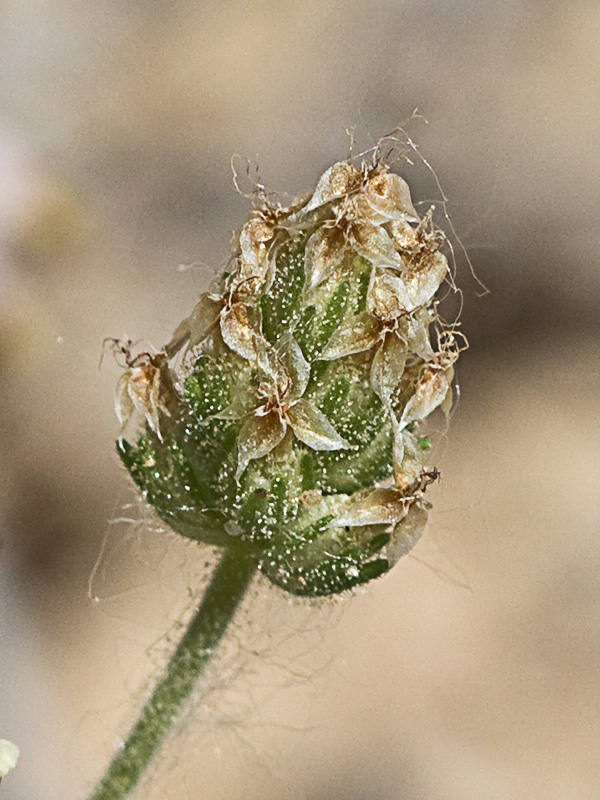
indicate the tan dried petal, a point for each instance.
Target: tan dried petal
{"x":406,"y":533}
{"x":389,"y":195}
{"x":195,"y":328}
{"x":388,"y":366}
{"x":311,"y":498}
{"x":376,"y":507}
{"x":425,"y":277}
{"x":335,"y":182}
{"x":355,"y":335}
{"x":253,"y":238}
{"x":253,"y":265}
{"x":404,"y":235}
{"x":313,"y":428}
{"x":248,"y":280}
{"x":429,"y":394}
{"x":150,"y":387}
{"x":387,"y":297}
{"x":376,"y":245}
{"x":323,"y":255}
{"x":239,"y":328}
{"x":259,"y":435}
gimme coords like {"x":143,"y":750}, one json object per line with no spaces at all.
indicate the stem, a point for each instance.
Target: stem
{"x":227,"y":588}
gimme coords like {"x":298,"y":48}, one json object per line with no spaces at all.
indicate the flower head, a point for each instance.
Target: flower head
{"x":306,"y":376}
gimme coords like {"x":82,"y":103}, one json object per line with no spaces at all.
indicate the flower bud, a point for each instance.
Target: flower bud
{"x":291,"y":426}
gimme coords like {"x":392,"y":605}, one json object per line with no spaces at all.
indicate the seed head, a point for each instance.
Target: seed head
{"x":285,"y":413}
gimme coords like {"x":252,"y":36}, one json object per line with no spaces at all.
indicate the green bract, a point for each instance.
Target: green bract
{"x":290,"y":426}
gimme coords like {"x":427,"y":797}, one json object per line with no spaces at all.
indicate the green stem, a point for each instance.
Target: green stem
{"x":227,"y":588}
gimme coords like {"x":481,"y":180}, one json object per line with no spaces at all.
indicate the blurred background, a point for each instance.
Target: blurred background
{"x":471,"y":671}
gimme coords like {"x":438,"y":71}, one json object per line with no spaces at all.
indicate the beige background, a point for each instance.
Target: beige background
{"x":471,"y":671}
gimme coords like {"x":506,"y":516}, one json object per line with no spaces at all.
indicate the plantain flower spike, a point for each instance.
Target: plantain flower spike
{"x":287,"y":413}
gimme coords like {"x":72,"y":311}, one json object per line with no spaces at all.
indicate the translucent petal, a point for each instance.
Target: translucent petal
{"x":297,"y":367}
{"x":425,"y":278}
{"x":376,"y":507}
{"x":324,"y":253}
{"x":388,"y":366}
{"x":446,"y":404}
{"x":124,"y":406}
{"x":359,"y":209}
{"x":271,"y":367}
{"x":313,"y":428}
{"x":253,"y":238}
{"x":259,"y":435}
{"x":408,"y":469}
{"x":180,"y":336}
{"x":415,"y":332}
{"x":406,"y":533}
{"x":254,"y":265}
{"x":376,"y":245}
{"x":204,"y":317}
{"x":397,"y":449}
{"x":333,"y":183}
{"x":354,"y":335}
{"x":143,"y":387}
{"x":271,"y":269}
{"x":195,"y":328}
{"x":429,"y":394}
{"x":249,"y":279}
{"x":389,"y":195}
{"x":298,"y":202}
{"x":387,"y":297}
{"x":239,"y":328}
{"x":238,"y":409}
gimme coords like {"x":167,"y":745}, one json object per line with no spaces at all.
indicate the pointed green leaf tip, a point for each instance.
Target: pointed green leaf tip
{"x":286,"y":414}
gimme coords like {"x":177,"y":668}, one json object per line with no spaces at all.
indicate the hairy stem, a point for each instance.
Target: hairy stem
{"x":227,"y":588}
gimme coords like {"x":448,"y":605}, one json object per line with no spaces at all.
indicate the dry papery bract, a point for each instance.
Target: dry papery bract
{"x":147,"y":385}
{"x":325,"y":337}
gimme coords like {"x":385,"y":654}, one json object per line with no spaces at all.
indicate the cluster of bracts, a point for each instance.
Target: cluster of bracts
{"x":365,"y":212}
